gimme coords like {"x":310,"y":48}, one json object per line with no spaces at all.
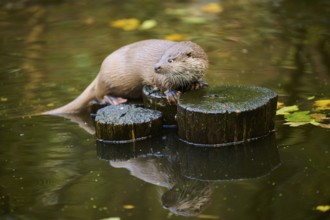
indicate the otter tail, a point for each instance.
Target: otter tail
{"x":78,"y":105}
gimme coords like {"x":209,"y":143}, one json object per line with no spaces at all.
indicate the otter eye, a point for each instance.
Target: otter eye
{"x":170,"y":60}
{"x":189,"y":54}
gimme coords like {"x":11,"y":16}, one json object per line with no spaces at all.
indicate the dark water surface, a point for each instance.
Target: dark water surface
{"x":51,"y":168}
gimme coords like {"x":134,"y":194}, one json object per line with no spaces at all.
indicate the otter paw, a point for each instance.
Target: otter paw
{"x":199,"y":84}
{"x":154,"y":89}
{"x":114,"y":100}
{"x":172,"y":96}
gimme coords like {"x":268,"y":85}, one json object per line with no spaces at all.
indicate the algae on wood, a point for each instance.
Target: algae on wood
{"x":226,"y":114}
{"x":156,"y":99}
{"x":126,"y":123}
{"x":96,"y":105}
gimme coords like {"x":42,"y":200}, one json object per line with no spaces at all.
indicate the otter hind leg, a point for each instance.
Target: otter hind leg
{"x":114,"y":100}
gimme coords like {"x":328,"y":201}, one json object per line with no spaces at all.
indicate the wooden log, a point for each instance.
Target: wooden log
{"x":156,"y":100}
{"x":226,"y":114}
{"x":126,"y":123}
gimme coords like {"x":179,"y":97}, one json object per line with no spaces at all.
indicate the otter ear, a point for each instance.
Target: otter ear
{"x":189,"y":54}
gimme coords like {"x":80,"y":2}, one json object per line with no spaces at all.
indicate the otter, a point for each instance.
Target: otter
{"x":166,"y":65}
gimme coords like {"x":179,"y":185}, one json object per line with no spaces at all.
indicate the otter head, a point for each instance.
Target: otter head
{"x":187,"y":199}
{"x":182,"y":63}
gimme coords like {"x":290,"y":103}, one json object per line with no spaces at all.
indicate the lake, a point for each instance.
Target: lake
{"x":54,"y":168}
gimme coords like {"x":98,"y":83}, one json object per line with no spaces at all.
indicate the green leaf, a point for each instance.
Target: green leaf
{"x":300,"y":117}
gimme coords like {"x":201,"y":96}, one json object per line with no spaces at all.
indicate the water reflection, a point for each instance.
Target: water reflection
{"x":4,"y":201}
{"x":186,"y":173}
{"x":283,"y":45}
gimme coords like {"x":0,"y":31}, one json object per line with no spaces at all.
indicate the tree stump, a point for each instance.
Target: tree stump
{"x":126,"y":123}
{"x":226,"y":114}
{"x":156,"y":100}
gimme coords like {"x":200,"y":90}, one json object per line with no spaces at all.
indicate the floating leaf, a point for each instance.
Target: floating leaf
{"x":128,"y":24}
{"x":50,"y":105}
{"x":194,"y":20}
{"x":295,"y":124}
{"x":324,"y":125}
{"x":204,"y":216}
{"x":286,"y":110}
{"x":148,"y":24}
{"x":319,"y":117}
{"x":212,"y":8}
{"x":323,"y":208}
{"x":322,"y":104}
{"x":89,"y":21}
{"x":279,"y":105}
{"x":176,"y":37}
{"x":3,"y":99}
{"x":128,"y":206}
{"x":300,"y":117}
{"x":178,"y":11}
{"x":311,"y":98}
{"x":111,"y":218}
{"x":314,"y":122}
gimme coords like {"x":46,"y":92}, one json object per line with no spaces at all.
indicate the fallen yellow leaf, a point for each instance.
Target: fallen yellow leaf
{"x":324,"y":125}
{"x":127,"y":24}
{"x":3,"y":99}
{"x":148,"y":24}
{"x":295,"y":124}
{"x":322,"y":104}
{"x":50,"y":105}
{"x":178,"y":11}
{"x":322,"y":208}
{"x":111,"y":218}
{"x":280,"y":105}
{"x":89,"y":21}
{"x":205,"y":216}
{"x":212,"y":8}
{"x":128,"y":206}
{"x":287,"y":109}
{"x":176,"y":37}
{"x":319,"y":116}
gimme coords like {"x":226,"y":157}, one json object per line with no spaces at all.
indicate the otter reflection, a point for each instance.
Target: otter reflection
{"x":188,"y":199}
{"x":179,"y":194}
{"x":187,"y":174}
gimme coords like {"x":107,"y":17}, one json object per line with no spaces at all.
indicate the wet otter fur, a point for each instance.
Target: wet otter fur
{"x":164,"y":64}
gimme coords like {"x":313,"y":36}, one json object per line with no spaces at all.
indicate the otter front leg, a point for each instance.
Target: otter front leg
{"x":113,"y":100}
{"x":172,"y":96}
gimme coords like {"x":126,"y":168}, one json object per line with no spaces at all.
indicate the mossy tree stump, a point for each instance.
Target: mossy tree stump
{"x":156,"y":100}
{"x":126,"y":123}
{"x":226,"y":114}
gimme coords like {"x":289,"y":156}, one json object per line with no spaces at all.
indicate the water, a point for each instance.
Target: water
{"x":51,"y":168}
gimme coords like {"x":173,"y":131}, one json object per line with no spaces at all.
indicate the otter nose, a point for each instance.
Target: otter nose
{"x":157,"y":68}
